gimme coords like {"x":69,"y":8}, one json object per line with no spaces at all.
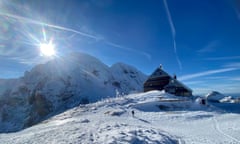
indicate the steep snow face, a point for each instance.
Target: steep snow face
{"x":127,"y":78}
{"x":61,"y":84}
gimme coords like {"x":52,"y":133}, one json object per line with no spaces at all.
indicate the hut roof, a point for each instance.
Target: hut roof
{"x":175,"y":82}
{"x":159,"y":72}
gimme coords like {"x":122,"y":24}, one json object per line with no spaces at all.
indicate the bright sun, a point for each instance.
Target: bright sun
{"x":47,"y":49}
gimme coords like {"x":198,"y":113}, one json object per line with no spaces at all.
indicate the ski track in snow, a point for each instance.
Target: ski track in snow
{"x":217,"y":127}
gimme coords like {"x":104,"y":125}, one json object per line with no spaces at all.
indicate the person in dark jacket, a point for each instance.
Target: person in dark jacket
{"x":132,"y":113}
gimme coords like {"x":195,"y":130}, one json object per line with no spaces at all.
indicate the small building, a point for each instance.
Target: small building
{"x":161,"y":80}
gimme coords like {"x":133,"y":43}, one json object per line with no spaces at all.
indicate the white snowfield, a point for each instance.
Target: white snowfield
{"x":158,"y":118}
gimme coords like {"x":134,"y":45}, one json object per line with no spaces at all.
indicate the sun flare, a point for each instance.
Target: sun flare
{"x":47,"y":49}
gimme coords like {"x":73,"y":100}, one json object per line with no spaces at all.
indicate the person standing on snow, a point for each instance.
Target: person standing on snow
{"x":132,"y":113}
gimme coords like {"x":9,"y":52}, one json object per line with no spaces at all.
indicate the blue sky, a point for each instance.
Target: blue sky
{"x":197,"y":40}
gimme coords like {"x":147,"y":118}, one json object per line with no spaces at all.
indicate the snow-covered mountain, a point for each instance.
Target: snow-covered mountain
{"x":217,"y":97}
{"x":214,"y":96}
{"x":226,"y":103}
{"x":60,"y":84}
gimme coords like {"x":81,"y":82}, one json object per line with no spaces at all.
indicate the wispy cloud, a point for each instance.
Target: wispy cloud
{"x":225,"y":87}
{"x":235,"y":78}
{"x":237,"y":13}
{"x":30,"y":61}
{"x":173,"y":32}
{"x":205,"y":73}
{"x":221,"y":87}
{"x":209,"y":81}
{"x":223,"y":78}
{"x":233,"y":65}
{"x":223,"y":58}
{"x":147,"y":55}
{"x":210,"y":47}
{"x":216,"y":78}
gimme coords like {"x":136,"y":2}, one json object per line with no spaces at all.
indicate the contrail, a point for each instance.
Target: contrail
{"x":210,"y":47}
{"x":205,"y":73}
{"x":173,"y":32}
{"x":236,"y":7}
{"x":147,"y":55}
{"x":238,"y":14}
{"x":28,"y":20}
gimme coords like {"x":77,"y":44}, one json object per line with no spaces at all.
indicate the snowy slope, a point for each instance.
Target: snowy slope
{"x":129,"y":78}
{"x":61,"y":84}
{"x":110,"y":121}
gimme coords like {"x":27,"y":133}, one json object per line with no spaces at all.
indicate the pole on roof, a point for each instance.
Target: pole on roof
{"x":160,"y":66}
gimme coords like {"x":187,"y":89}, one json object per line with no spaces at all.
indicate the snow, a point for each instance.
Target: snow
{"x":227,"y":99}
{"x":111,"y":121}
{"x":122,"y":73}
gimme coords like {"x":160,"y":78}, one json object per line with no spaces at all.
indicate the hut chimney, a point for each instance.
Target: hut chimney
{"x":174,"y":76}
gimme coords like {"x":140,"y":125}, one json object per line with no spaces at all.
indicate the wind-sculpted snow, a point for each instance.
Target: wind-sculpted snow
{"x":60,"y":84}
